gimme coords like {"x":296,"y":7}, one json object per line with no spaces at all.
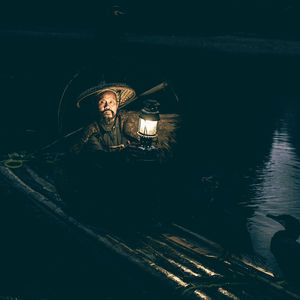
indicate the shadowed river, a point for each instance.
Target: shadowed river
{"x":276,"y":189}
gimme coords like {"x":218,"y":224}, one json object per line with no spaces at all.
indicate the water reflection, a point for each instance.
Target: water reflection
{"x":277,"y":187}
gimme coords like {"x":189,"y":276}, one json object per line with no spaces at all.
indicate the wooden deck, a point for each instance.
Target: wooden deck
{"x":183,"y":261}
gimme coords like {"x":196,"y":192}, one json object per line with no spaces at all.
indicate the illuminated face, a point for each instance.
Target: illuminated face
{"x":108,"y":105}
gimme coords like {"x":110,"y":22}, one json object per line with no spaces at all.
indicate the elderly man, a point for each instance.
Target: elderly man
{"x":100,"y":146}
{"x":98,"y":155}
{"x":108,"y":135}
{"x":112,"y":129}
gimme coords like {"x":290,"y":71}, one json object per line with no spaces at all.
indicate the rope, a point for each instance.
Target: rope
{"x":15,"y":161}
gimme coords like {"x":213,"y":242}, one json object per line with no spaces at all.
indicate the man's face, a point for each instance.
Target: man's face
{"x":108,"y":105}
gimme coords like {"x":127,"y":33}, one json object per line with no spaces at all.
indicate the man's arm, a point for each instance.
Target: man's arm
{"x":94,"y":152}
{"x":93,"y":145}
{"x":80,"y":140}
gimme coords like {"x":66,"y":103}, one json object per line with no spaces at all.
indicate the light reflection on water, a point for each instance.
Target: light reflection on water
{"x":276,"y":191}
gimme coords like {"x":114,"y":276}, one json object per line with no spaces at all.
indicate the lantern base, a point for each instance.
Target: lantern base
{"x":146,"y":143}
{"x":143,"y":153}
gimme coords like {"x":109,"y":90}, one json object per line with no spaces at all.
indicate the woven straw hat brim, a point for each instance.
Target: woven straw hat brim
{"x":123,"y":92}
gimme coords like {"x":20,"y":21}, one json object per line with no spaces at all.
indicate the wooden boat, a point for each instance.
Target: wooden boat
{"x":185,"y":263}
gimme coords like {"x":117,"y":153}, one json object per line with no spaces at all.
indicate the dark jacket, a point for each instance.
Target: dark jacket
{"x":96,"y":139}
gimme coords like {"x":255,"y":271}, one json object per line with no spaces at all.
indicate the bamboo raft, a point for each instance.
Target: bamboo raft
{"x":187,"y":264}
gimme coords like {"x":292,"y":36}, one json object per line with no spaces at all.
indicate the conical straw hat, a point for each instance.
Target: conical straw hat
{"x":123,"y":92}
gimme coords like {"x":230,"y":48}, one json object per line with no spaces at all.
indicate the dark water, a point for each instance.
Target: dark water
{"x":258,"y":169}
{"x":276,"y":187}
{"x":259,"y":173}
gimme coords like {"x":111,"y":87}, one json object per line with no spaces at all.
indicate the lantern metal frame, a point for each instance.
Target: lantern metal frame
{"x":150,"y":112}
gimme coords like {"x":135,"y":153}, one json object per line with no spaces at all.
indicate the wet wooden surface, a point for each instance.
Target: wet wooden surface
{"x":174,"y":259}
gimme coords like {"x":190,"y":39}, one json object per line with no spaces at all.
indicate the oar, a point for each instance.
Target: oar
{"x":153,"y":90}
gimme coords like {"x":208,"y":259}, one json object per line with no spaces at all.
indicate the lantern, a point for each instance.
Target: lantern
{"x":148,"y":121}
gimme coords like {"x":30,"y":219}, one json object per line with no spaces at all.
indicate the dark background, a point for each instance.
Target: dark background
{"x":232,"y":63}
{"x":267,"y":17}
